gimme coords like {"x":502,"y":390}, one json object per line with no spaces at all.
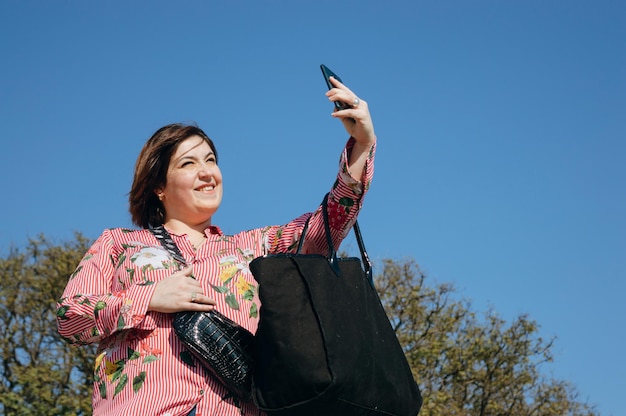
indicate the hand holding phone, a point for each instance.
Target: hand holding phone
{"x":327,"y":74}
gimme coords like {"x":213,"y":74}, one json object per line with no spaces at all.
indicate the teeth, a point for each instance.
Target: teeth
{"x":207,"y":188}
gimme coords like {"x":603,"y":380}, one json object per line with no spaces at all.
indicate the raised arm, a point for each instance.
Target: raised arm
{"x":357,"y":122}
{"x":356,"y":170}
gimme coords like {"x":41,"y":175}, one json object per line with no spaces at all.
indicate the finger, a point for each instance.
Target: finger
{"x":347,"y":114}
{"x":202,"y":299}
{"x":336,"y":82}
{"x":198,"y":307}
{"x":348,"y":100}
{"x":341,"y":86}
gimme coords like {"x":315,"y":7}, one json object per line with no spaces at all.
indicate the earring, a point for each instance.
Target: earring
{"x":160,"y":197}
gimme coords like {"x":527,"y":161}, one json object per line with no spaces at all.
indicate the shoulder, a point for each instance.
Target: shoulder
{"x":120,"y":238}
{"x":122,"y":233}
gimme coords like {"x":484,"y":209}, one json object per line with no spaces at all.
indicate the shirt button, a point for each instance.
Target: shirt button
{"x":201,"y":392}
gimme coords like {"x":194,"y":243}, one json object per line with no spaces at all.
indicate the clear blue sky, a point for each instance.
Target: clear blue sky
{"x":502,"y":137}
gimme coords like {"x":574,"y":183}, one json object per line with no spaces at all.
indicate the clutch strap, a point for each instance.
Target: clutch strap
{"x":166,"y":241}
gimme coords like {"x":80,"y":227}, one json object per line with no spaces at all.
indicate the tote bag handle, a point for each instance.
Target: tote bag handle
{"x":332,"y":253}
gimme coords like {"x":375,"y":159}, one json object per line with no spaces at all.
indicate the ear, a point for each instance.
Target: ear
{"x":159,"y":194}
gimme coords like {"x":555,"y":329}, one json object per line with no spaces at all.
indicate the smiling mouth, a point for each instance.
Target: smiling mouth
{"x":206,"y":188}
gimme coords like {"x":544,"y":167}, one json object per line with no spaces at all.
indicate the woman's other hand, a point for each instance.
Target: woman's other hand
{"x":180,"y":292}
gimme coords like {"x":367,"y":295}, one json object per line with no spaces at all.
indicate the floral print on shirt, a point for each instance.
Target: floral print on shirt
{"x":232,"y":271}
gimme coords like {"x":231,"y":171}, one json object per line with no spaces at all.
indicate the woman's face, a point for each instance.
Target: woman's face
{"x":193,"y":190}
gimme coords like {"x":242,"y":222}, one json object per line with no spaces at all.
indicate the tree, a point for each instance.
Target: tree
{"x":40,"y":374}
{"x":466,"y":366}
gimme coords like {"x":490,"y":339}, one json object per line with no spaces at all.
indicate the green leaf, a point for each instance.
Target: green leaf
{"x":132,"y":354}
{"x":248,"y":295}
{"x":138,"y":381}
{"x":220,"y":289}
{"x":103,"y":390}
{"x":62,"y":311}
{"x":78,"y":269}
{"x":120,"y":322}
{"x":346,"y":202}
{"x":119,"y":369}
{"x":120,"y":386}
{"x":85,"y":301}
{"x":99,"y":306}
{"x":120,"y":260}
{"x":254,"y":311}
{"x":118,"y":372}
{"x":150,"y":358}
{"x":231,"y":300}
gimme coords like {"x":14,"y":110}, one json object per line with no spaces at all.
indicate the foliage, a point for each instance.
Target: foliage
{"x":40,"y":374}
{"x":465,"y":366}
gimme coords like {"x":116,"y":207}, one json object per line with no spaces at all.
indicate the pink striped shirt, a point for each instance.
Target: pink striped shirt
{"x":141,"y":367}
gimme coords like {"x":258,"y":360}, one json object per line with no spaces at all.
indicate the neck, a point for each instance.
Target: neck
{"x":192,"y":230}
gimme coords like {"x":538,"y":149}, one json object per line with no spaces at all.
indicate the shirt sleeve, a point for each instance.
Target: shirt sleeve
{"x":89,"y":310}
{"x":344,"y":203}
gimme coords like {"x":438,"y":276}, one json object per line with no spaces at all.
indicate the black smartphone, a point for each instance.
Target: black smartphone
{"x":327,"y":74}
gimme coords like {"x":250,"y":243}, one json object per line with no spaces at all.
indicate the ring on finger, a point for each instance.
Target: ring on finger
{"x":194,"y":295}
{"x":356,"y":102}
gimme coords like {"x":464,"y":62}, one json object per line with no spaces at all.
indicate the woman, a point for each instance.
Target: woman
{"x":125,"y":291}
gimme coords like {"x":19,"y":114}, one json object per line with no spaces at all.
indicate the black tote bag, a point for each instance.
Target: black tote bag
{"x":324,"y":345}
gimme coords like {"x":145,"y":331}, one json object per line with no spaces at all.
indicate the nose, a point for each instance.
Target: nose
{"x":205,"y":171}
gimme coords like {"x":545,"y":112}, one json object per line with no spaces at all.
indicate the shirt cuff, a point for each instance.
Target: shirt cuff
{"x":345,"y":180}
{"x":134,"y":312}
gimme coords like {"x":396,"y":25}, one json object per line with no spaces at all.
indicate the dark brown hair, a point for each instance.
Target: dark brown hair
{"x":151,"y":172}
